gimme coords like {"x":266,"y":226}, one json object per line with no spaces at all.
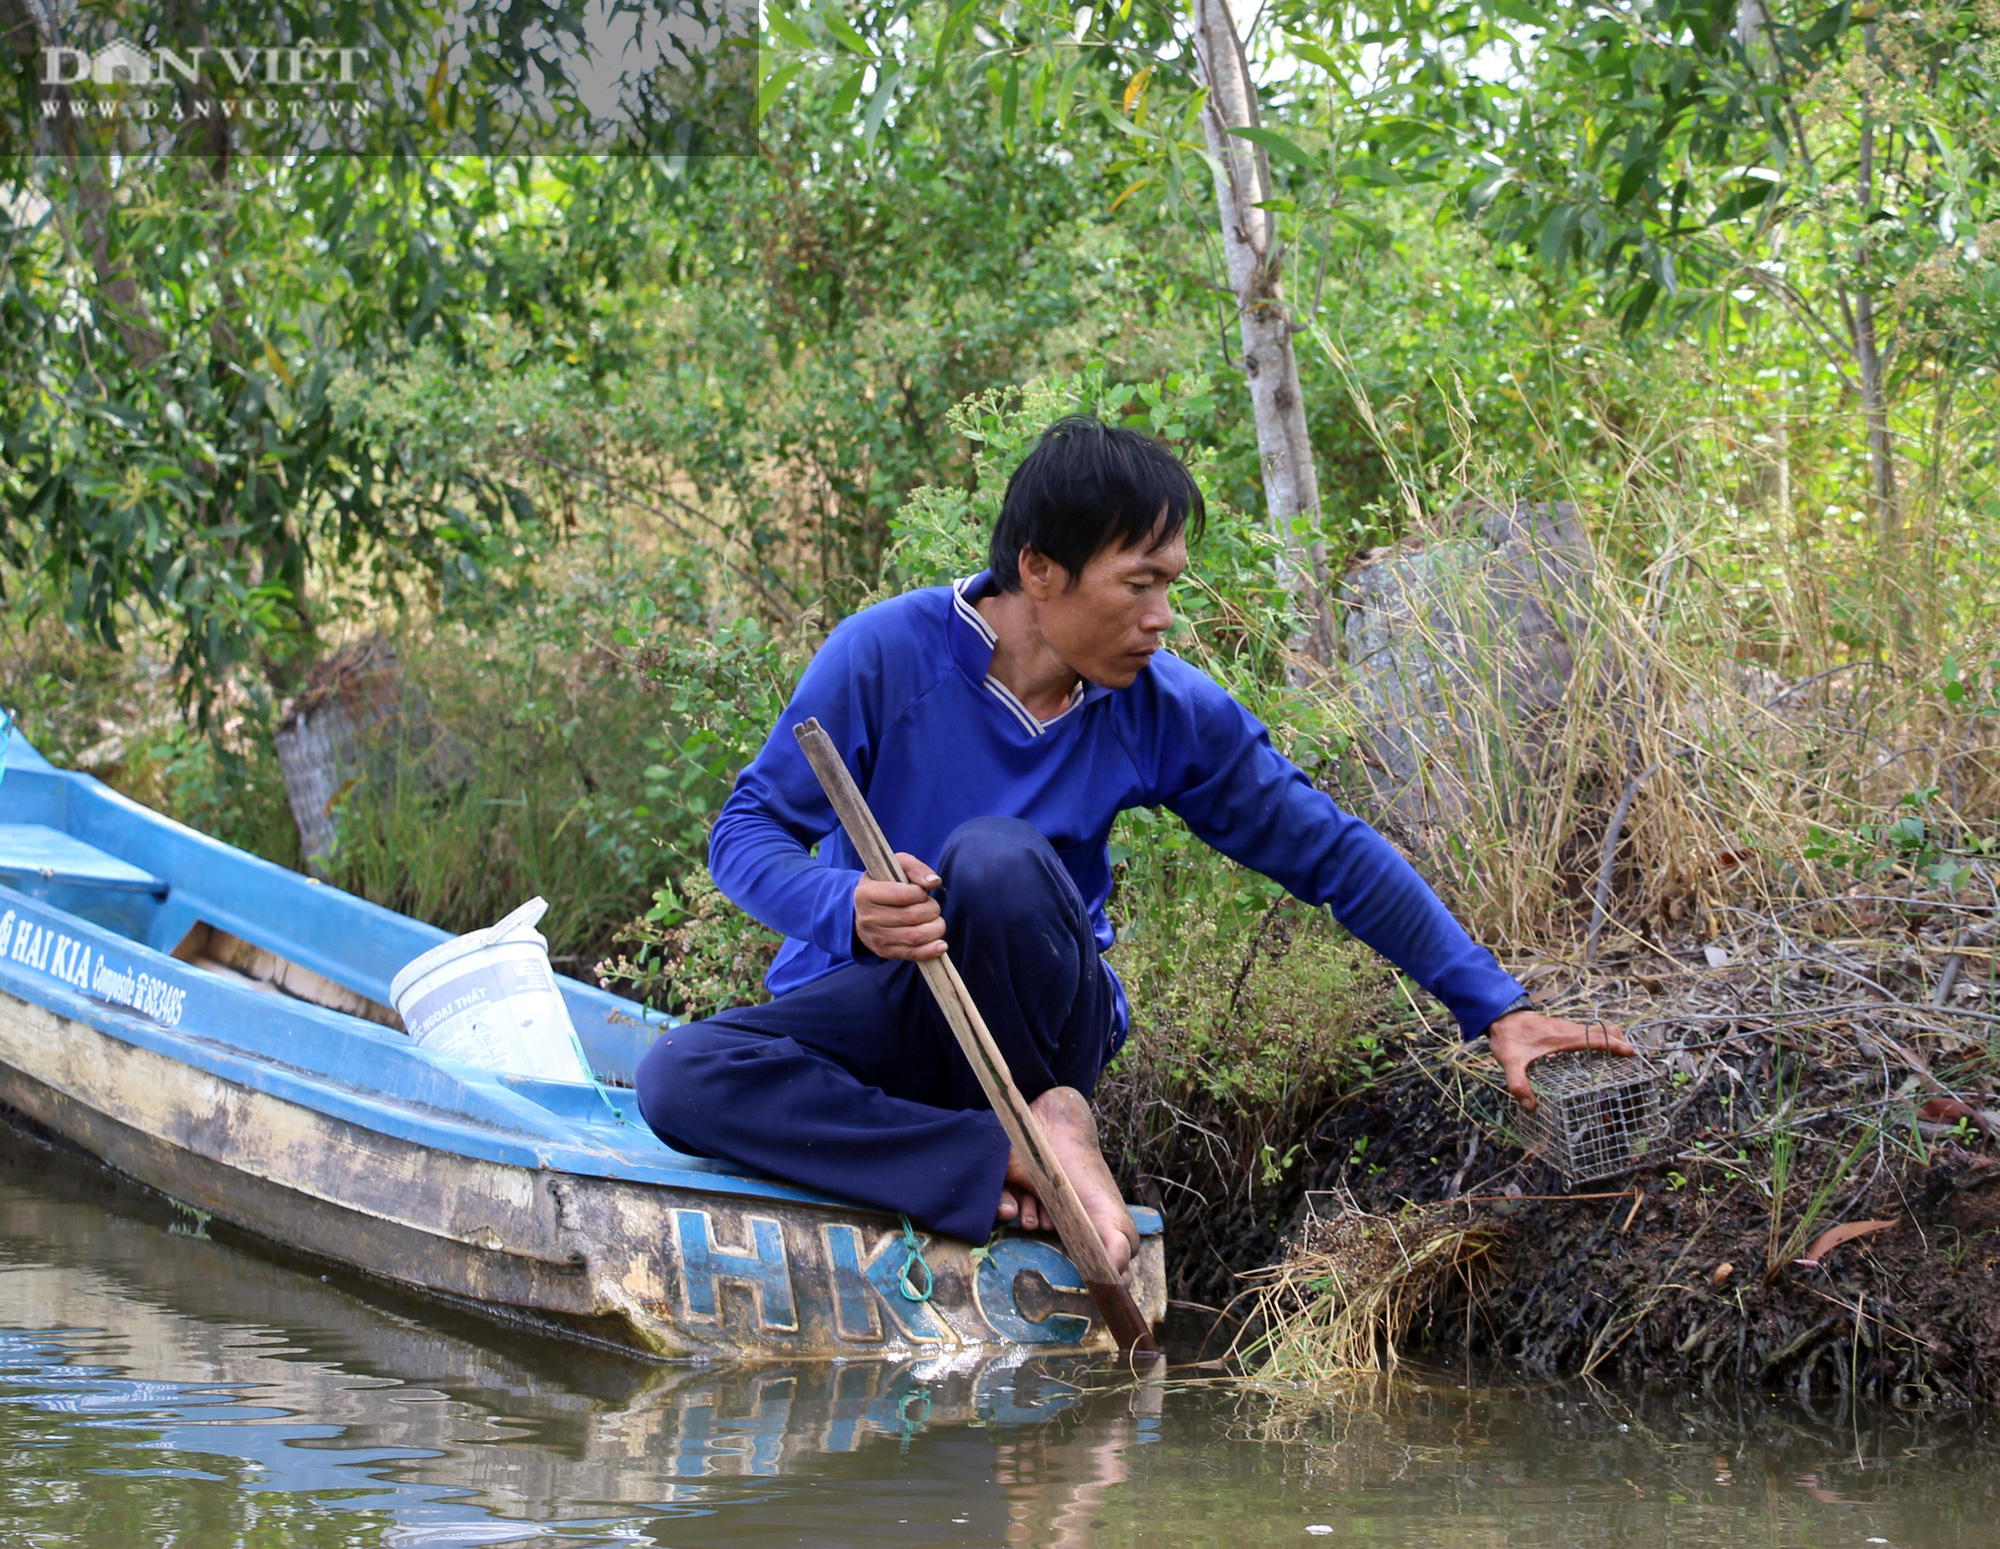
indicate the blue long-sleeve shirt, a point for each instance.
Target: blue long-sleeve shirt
{"x":904,"y":689}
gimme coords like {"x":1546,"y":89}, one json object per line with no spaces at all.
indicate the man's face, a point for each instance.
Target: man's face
{"x":1108,"y":625}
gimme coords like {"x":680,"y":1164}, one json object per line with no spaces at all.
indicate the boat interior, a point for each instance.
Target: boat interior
{"x":70,"y":842}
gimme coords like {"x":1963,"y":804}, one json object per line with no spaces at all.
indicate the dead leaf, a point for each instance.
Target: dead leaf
{"x":1722,"y":1273}
{"x":1834,"y":1236}
{"x":1945,"y":1110}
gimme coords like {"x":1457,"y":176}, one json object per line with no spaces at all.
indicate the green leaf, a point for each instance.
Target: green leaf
{"x":1636,"y":175}
{"x":773,"y":88}
{"x":950,"y":31}
{"x":1752,"y":195}
{"x":850,"y":90}
{"x":885,"y":94}
{"x":1828,"y":27}
{"x":1375,"y":174}
{"x":1555,"y":236}
{"x":1641,"y":304}
{"x":843,"y":31}
{"x":790,"y":31}
{"x":1485,"y":191}
{"x":1314,"y":54}
{"x":1276,"y":144}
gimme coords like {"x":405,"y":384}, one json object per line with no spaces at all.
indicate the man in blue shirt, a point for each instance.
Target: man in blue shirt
{"x":998,"y":726}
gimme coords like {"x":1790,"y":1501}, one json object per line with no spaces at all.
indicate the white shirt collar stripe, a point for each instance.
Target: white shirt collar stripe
{"x":964,"y":607}
{"x":1019,"y":711}
{"x":969,"y":613}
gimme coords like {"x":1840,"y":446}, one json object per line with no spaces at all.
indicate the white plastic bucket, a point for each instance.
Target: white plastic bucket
{"x":489,"y":998}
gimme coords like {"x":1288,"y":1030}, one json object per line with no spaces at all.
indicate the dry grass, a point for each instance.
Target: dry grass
{"x":1351,"y":1284}
{"x":1749,"y":668}
{"x":1670,"y":781}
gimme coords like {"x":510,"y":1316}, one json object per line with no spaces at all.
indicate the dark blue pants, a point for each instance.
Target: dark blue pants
{"x":854,"y":1084}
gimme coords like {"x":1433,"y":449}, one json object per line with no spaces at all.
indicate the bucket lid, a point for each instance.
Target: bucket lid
{"x":517,"y":926}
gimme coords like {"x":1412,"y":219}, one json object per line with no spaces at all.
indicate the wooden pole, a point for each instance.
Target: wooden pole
{"x":1052,"y":1186}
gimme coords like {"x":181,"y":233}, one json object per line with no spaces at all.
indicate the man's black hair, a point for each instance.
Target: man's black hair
{"x":1087,"y":487}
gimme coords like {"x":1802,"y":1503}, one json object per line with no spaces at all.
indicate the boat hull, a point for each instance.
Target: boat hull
{"x":662,"y":1270}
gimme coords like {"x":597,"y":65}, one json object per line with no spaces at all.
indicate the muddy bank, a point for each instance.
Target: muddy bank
{"x":1673,"y":1279}
{"x":1810,"y":1084}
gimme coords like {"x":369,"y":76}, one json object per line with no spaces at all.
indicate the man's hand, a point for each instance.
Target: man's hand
{"x":901,"y":919}
{"x":1522,"y":1036}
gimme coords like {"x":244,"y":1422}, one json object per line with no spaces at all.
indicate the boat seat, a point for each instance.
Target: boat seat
{"x":60,"y":869}
{"x":36,"y":851}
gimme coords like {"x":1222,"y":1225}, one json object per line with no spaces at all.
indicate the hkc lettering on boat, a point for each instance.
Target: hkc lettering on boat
{"x":62,"y":957}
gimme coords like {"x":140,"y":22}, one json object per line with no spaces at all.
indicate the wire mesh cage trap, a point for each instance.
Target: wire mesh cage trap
{"x":1596,"y":1115}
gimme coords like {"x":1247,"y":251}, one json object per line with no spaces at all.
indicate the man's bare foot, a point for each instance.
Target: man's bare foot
{"x":1072,"y":1131}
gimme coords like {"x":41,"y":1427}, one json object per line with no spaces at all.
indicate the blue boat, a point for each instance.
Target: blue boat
{"x":217,"y":1028}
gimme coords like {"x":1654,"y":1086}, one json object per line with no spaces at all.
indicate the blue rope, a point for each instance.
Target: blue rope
{"x":913,"y":1258}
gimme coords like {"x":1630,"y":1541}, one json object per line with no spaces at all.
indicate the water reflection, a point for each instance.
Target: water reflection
{"x":144,"y":1359}
{"x":157,"y":1385}
{"x":229,"y":1405}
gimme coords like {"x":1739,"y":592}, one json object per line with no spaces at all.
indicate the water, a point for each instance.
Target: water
{"x":160,"y":1387}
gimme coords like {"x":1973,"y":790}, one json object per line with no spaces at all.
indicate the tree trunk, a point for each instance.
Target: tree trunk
{"x":1868,"y":360}
{"x":1874,"y":390}
{"x":1255,"y":258}
{"x":1875,"y":412}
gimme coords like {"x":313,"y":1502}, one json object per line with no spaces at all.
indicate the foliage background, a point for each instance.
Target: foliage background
{"x":606,"y":445}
